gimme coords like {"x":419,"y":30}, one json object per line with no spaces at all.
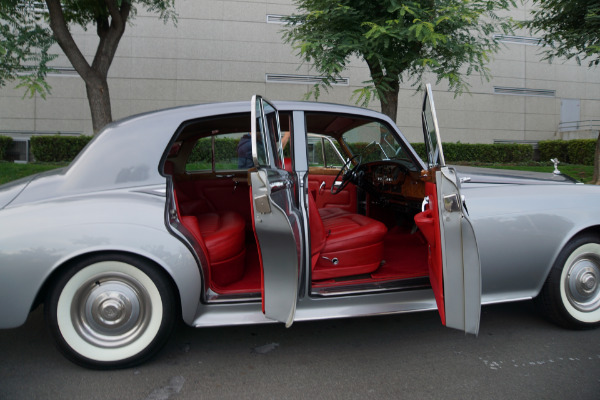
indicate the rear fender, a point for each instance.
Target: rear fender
{"x":31,"y":255}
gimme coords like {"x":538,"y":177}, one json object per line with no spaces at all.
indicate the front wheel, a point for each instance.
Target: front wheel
{"x":571,"y":294}
{"x":111,"y":311}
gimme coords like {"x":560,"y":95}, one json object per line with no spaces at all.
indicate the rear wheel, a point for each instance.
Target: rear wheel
{"x":571,"y":295}
{"x":111,"y":311}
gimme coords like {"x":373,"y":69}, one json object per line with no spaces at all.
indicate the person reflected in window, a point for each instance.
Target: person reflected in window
{"x":244,"y":151}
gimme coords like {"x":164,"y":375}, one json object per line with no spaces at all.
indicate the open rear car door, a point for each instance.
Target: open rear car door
{"x":454,"y":267}
{"x":275,"y":219}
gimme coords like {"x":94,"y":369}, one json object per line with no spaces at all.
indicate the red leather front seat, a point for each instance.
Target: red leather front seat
{"x":345,"y":244}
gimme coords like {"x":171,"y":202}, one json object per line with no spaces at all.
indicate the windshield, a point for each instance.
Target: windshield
{"x":374,"y":142}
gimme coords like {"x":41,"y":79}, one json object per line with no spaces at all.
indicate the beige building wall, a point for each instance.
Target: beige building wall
{"x":222,"y":50}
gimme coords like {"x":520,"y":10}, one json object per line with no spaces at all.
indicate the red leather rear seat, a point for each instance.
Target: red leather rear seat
{"x":332,"y":212}
{"x":223,"y":234}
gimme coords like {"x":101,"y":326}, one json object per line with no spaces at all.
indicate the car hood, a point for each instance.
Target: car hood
{"x":510,"y":177}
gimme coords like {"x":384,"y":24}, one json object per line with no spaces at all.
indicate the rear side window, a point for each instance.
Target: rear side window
{"x":224,"y":152}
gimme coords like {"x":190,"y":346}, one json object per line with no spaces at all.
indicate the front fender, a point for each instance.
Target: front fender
{"x":521,"y":229}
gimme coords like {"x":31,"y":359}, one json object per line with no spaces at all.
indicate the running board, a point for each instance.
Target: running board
{"x":372,"y":287}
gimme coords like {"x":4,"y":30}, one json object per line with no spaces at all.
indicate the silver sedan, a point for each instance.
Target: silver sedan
{"x":257,"y":212}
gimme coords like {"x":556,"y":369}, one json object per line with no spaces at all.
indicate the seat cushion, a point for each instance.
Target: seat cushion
{"x":347,"y":231}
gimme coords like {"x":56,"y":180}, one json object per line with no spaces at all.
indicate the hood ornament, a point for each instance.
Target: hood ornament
{"x":555,"y":162}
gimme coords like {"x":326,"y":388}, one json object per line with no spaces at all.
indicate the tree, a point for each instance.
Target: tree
{"x":24,"y":47}
{"x":569,"y":29}
{"x":29,"y":61}
{"x":400,"y":41}
{"x":110,"y":18}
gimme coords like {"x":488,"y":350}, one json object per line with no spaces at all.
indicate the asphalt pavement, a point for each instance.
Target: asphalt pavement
{"x":517,"y":355}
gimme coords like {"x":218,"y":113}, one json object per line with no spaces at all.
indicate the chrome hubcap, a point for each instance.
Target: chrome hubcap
{"x":111,"y":310}
{"x":582,"y":285}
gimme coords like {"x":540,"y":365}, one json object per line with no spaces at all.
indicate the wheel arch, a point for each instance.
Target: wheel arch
{"x":186,"y":312}
{"x":593,"y":230}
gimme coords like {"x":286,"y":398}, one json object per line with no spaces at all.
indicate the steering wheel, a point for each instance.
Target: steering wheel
{"x":347,"y":176}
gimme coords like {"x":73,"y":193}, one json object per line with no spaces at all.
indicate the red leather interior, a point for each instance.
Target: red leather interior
{"x":223,"y":234}
{"x":345,"y":200}
{"x":214,"y":195}
{"x":223,"y":237}
{"x":354,"y":240}
{"x":429,"y":224}
{"x":288,"y":164}
{"x":332,"y":212}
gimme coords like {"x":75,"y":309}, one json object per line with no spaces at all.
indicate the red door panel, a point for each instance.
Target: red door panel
{"x":345,"y":200}
{"x":429,"y":224}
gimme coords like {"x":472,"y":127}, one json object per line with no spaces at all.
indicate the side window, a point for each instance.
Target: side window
{"x":261,"y":150}
{"x":228,"y":152}
{"x":323,"y":152}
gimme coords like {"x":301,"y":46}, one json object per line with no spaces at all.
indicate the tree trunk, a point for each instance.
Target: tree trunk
{"x":596,"y":180}
{"x":99,"y":101}
{"x":389,"y":103}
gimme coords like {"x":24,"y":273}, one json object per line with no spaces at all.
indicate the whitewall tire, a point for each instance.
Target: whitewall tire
{"x":111,"y":311}
{"x":571,"y":294}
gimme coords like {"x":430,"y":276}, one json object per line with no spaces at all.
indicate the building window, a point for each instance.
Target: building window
{"x":526,"y":40}
{"x":524,"y":91}
{"x":276,"y":19}
{"x":303,"y":79}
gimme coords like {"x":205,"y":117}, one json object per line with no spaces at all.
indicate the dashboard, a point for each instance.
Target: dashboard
{"x":393,"y":181}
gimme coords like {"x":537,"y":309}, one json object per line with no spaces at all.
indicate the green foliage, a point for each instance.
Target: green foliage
{"x":10,"y":171}
{"x":5,"y":142}
{"x":399,"y":40}
{"x":57,"y":148}
{"x":315,"y":157}
{"x":225,"y":149}
{"x":569,"y":29}
{"x":488,"y":153}
{"x":554,"y":149}
{"x":580,"y":151}
{"x":24,"y":47}
{"x":420,"y":149}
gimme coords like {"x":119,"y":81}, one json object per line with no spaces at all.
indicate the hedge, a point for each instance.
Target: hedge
{"x":577,"y":151}
{"x":492,"y":153}
{"x":225,"y":148}
{"x":57,"y":148}
{"x":5,"y":142}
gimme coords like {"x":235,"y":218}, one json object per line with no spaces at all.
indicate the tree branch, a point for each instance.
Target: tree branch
{"x":65,"y":40}
{"x":109,"y":38}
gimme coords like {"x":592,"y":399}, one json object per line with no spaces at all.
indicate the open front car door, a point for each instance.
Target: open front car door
{"x":275,"y":218}
{"x":454,"y":267}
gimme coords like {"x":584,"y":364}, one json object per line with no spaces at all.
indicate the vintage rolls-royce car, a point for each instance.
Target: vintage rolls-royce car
{"x":255,"y":212}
